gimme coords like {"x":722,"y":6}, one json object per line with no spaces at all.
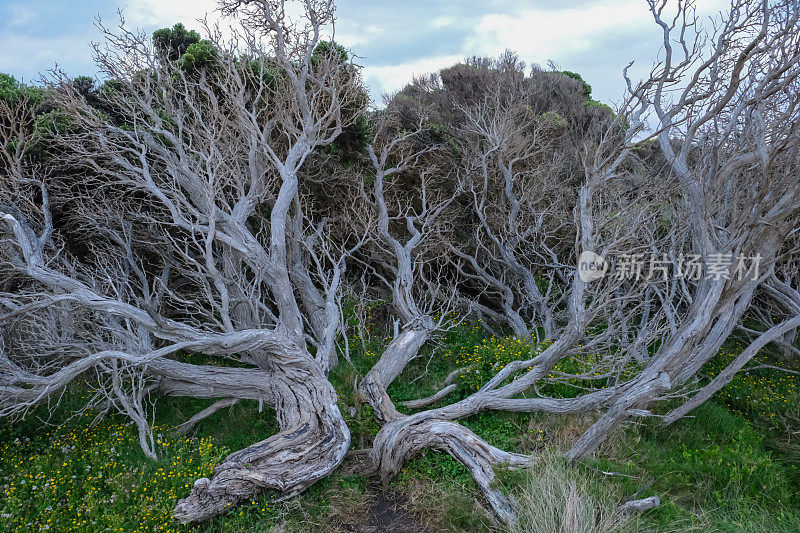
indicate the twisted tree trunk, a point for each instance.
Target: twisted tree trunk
{"x":399,"y":440}
{"x":312,"y":442}
{"x":401,"y":350}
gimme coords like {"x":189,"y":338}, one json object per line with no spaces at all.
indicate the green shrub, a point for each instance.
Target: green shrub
{"x":329,"y":49}
{"x":13,"y":91}
{"x":198,"y":56}
{"x":587,"y":89}
{"x":172,"y":43}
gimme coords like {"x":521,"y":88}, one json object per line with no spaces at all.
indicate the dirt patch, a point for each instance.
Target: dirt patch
{"x":389,"y":513}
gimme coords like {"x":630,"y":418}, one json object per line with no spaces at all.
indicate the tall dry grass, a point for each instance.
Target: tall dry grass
{"x":557,"y":498}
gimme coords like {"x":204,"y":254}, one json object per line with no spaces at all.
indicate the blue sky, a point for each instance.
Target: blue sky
{"x":394,"y":39}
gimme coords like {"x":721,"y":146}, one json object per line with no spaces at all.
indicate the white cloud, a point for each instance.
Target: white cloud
{"x":26,"y":57}
{"x":391,"y":78}
{"x":549,"y":33}
{"x":355,"y":35}
{"x":442,"y":22}
{"x":571,"y":36}
{"x":160,"y":13}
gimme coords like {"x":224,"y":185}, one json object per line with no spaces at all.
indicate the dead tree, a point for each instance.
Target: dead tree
{"x":730,"y":139}
{"x":193,"y":236}
{"x":517,"y":171}
{"x":191,"y":211}
{"x":409,"y":199}
{"x":727,"y":110}
{"x":607,"y":222}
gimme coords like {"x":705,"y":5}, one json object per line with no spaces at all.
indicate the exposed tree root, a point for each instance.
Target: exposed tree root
{"x":312,"y":443}
{"x":403,"y":438}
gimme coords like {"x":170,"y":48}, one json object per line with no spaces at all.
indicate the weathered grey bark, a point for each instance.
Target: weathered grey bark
{"x":401,"y":439}
{"x":312,"y":442}
{"x":728,"y":373}
{"x":727,"y":216}
{"x":186,"y":428}
{"x":397,"y":355}
{"x":245,"y":273}
{"x":432,"y":399}
{"x":694,"y":319}
{"x":211,"y":257}
{"x":639,"y":506}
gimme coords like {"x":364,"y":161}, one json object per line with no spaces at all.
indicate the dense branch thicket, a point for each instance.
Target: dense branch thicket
{"x":229,"y":196}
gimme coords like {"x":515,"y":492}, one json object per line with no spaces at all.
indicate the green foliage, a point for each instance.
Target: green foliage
{"x":363,"y":424}
{"x":600,"y":105}
{"x":735,"y":469}
{"x":761,"y":393}
{"x":251,"y":425}
{"x":768,"y":398}
{"x":455,"y":149}
{"x":720,"y":456}
{"x":552,"y":119}
{"x":711,"y":471}
{"x":437,"y":465}
{"x":172,"y":43}
{"x":84,"y":478}
{"x":443,"y":491}
{"x":13,"y":91}
{"x":186,"y":49}
{"x":436,"y":131}
{"x":84,"y":85}
{"x":488,"y":357}
{"x":353,"y":140}
{"x":48,"y":122}
{"x":587,"y":89}
{"x":330,"y":49}
{"x":110,"y":88}
{"x":52,"y":123}
{"x":498,"y":429}
{"x":199,"y":56}
{"x":254,"y":69}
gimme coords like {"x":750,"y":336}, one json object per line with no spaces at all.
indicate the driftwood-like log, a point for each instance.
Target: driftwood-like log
{"x":639,"y":506}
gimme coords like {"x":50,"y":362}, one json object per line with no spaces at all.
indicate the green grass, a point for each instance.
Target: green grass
{"x":732,"y":465}
{"x":711,"y":469}
{"x":79,"y":477}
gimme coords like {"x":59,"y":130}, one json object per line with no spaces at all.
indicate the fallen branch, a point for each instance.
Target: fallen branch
{"x":186,"y":427}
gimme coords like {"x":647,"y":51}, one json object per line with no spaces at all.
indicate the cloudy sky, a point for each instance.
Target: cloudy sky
{"x":394,"y":39}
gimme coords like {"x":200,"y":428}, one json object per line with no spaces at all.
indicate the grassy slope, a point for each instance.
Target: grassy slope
{"x":732,"y":466}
